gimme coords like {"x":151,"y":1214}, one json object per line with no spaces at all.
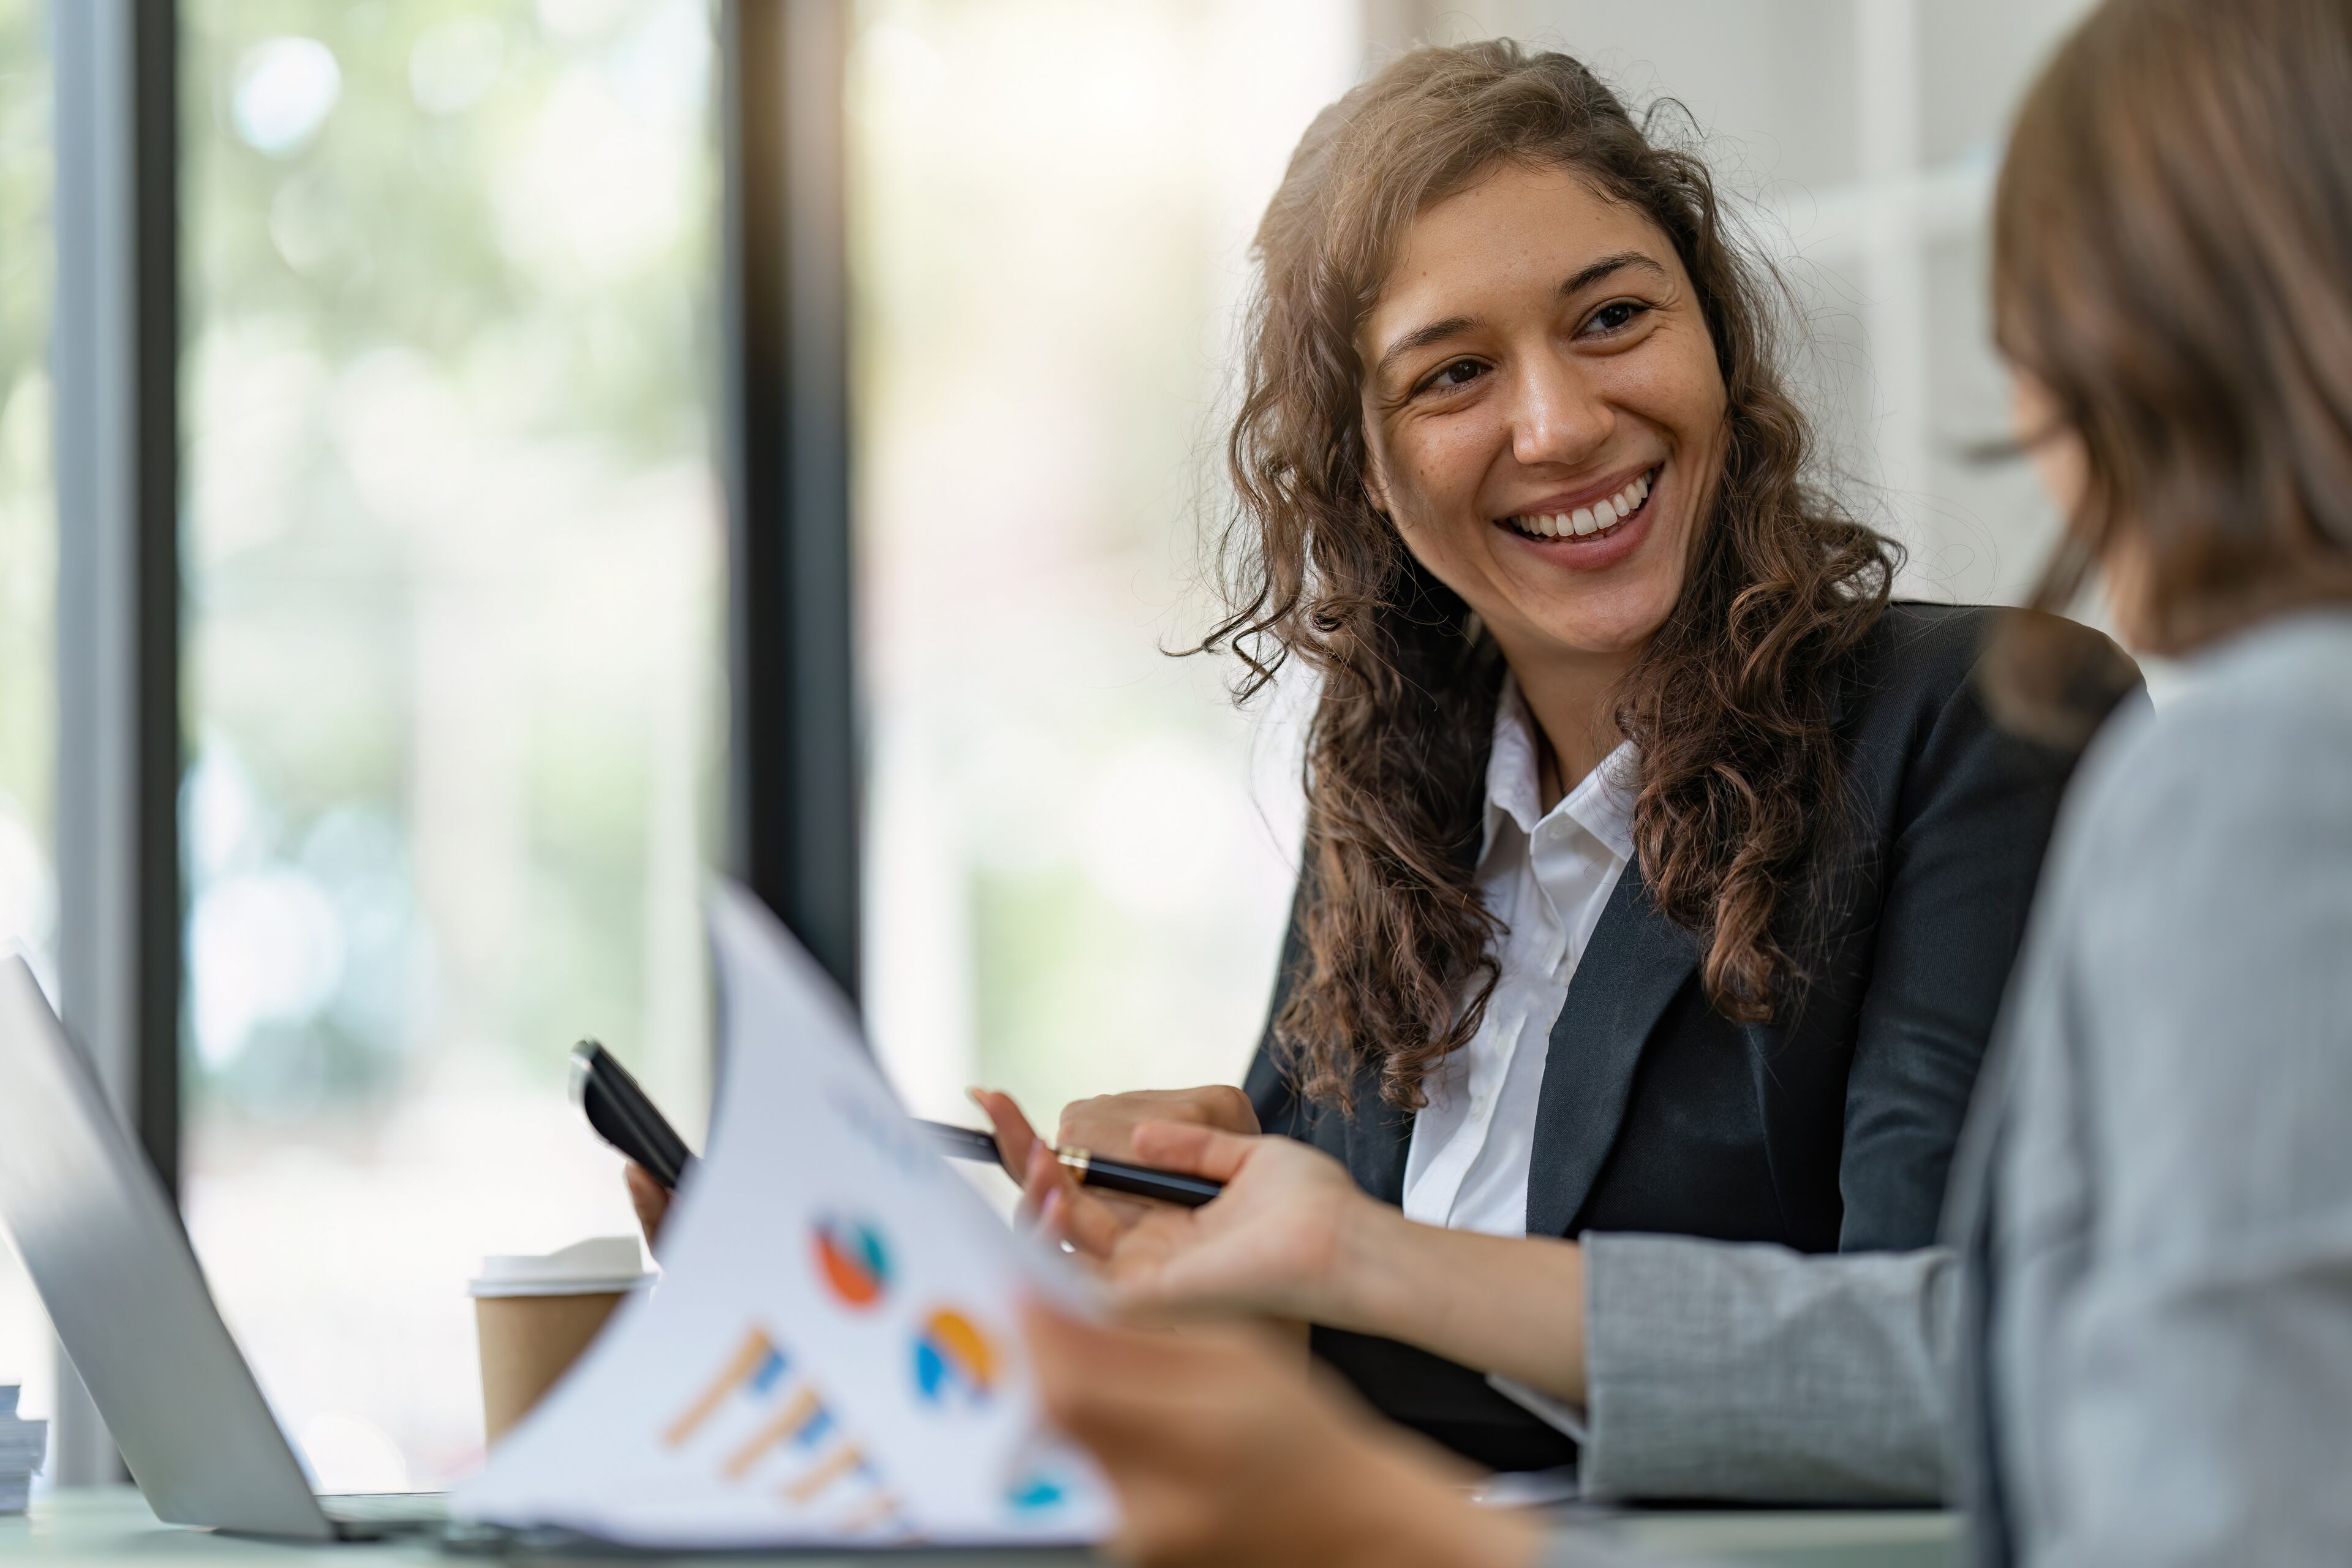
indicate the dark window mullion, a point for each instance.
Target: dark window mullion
{"x":784,"y":344}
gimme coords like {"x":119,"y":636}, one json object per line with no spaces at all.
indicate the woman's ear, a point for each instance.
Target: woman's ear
{"x":2042,"y":432}
{"x":1376,"y":484}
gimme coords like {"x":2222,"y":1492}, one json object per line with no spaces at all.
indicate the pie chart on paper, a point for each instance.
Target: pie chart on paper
{"x":854,"y":1262}
{"x":954,"y":1363}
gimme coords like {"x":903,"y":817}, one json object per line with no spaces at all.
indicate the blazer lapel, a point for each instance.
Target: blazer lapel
{"x":1635,"y":963}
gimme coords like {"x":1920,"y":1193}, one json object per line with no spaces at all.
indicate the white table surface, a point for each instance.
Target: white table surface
{"x":97,"y":1526}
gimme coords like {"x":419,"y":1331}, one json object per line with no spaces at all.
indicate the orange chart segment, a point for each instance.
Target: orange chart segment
{"x":852,"y":1259}
{"x":756,"y":1366}
{"x":800,"y":1412}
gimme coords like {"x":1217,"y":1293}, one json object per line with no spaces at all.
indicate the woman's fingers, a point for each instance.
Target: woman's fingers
{"x":1221,"y":1455}
{"x":1068,"y":1212}
{"x":1085,"y":1221}
{"x":1195,"y":1151}
{"x":1105,"y":1377}
{"x":1107,"y":1122}
{"x":649,"y":1198}
{"x":1136,"y":1274}
{"x":1038,"y":1176}
{"x":1014,"y":1137}
{"x":1075,"y":1356}
{"x":1046,"y":1190}
{"x":1270,"y":1245}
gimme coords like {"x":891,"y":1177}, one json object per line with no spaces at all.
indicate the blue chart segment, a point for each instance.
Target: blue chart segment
{"x":1045,"y":1480}
{"x":1034,"y":1493}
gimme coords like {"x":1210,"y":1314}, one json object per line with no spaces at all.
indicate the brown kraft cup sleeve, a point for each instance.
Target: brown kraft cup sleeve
{"x":527,"y":1343}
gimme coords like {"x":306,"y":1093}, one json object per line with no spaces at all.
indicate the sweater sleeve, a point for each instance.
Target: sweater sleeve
{"x":1741,"y":1370}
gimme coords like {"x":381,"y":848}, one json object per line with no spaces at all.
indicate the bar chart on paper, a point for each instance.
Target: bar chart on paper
{"x":760,"y":1423}
{"x":831,"y":1353}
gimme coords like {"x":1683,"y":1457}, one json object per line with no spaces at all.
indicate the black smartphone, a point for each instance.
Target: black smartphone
{"x":625,"y":1116}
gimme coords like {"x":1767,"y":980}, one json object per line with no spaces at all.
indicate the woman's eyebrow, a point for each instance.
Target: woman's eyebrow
{"x":1578,"y":281}
{"x":1421,"y":338}
{"x":1586,"y":277}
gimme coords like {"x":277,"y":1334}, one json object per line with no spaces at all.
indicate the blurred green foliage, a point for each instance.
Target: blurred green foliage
{"x":446,"y":378}
{"x":27,"y":500}
{"x":398,"y":211}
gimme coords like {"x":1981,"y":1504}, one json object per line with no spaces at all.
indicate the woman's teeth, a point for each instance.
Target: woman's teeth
{"x":1584,"y":521}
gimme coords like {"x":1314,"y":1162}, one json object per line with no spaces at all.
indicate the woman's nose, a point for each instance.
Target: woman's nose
{"x":1557,"y":417}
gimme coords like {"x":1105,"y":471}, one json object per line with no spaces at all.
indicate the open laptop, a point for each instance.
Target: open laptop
{"x":105,"y":1249}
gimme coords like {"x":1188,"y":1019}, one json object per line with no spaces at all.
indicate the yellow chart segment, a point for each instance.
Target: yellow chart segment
{"x":877,"y":1509}
{"x":797,"y":1413}
{"x":842,"y":1461}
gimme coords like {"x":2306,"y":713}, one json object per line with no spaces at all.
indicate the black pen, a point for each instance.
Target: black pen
{"x":1091,"y":1170}
{"x":624,"y":1117}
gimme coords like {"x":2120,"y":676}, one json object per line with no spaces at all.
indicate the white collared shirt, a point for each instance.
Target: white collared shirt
{"x":1546,"y":876}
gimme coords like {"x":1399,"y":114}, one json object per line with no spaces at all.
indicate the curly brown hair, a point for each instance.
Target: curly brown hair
{"x":1729,"y":703}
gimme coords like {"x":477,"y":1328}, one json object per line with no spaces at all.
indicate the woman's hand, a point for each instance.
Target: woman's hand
{"x":1030,"y":1161}
{"x":649,"y":1198}
{"x":1282,"y":1241}
{"x":1292,"y":1235}
{"x":1222,"y":1453}
{"x":1268,"y":1246}
{"x":1103,"y":1125}
{"x":1106,"y":1124}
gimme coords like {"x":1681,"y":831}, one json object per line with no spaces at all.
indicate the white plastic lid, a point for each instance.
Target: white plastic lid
{"x":583,"y":1268}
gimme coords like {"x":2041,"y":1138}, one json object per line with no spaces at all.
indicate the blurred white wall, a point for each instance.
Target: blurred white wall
{"x":1077,"y":854}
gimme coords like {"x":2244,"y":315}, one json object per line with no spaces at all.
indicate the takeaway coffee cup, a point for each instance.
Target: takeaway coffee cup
{"x":535,"y":1315}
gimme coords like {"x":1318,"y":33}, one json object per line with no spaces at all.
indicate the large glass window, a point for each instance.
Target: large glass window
{"x":1079,"y":855}
{"x":27,"y":585}
{"x":453,"y":679}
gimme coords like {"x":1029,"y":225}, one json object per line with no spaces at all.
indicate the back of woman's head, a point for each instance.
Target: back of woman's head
{"x":2173,"y":262}
{"x":1737,"y":763}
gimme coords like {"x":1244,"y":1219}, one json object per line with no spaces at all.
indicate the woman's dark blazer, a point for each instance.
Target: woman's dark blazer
{"x":1828,"y":1130}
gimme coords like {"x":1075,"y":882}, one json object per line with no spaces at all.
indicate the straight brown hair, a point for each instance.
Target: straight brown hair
{"x":2172,"y":260}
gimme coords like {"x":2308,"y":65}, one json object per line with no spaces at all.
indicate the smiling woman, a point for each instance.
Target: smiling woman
{"x":1564,"y":320}
{"x":1661,"y":875}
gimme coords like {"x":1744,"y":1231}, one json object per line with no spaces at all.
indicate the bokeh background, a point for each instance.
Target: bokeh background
{"x":454,"y":577}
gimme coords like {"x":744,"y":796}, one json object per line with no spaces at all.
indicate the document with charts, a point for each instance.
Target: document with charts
{"x":833,"y":1353}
